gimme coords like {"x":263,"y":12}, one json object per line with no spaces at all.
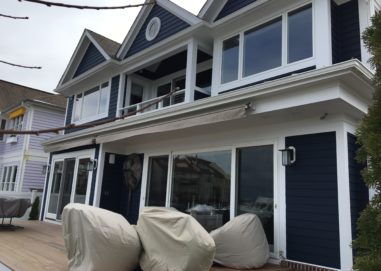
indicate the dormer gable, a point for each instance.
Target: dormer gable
{"x":155,"y":23}
{"x":92,"y":50}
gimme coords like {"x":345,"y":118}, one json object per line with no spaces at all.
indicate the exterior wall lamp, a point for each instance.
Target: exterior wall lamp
{"x":288,"y":156}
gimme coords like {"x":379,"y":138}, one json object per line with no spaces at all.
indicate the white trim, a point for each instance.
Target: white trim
{"x":322,"y":33}
{"x":365,"y":21}
{"x":344,"y":202}
{"x":191,"y":70}
{"x":99,"y":177}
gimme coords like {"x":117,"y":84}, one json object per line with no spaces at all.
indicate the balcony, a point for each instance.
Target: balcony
{"x":182,"y":75}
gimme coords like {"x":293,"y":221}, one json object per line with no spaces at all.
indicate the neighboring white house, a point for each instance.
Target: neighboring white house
{"x":22,"y":159}
{"x":251,"y":80}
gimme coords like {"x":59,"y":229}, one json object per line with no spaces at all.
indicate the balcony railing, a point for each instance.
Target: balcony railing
{"x":156,"y":103}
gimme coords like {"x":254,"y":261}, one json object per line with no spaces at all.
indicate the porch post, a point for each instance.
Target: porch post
{"x":346,"y":254}
{"x":190,"y":79}
{"x":365,"y":13}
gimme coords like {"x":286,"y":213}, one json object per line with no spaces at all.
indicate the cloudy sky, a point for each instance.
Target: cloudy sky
{"x":50,"y":36}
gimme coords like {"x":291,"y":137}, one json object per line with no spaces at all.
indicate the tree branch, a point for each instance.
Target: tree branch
{"x":50,"y":4}
{"x":14,"y":17}
{"x":20,"y":66}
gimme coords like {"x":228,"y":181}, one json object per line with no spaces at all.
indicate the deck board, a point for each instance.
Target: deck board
{"x":40,"y":246}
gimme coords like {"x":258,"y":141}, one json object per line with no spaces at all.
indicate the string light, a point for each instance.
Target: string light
{"x":14,"y":17}
{"x":50,"y":4}
{"x":20,"y":66}
{"x":88,"y":125}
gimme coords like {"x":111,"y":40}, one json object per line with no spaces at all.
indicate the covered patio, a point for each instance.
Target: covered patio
{"x":40,"y":246}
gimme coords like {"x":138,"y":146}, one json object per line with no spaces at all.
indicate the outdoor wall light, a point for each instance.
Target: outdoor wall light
{"x":45,"y":169}
{"x":92,"y":165}
{"x":288,"y":156}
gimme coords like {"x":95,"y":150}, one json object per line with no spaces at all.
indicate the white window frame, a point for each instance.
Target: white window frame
{"x":284,"y":68}
{"x":8,"y":175}
{"x":98,"y":116}
{"x":61,"y":157}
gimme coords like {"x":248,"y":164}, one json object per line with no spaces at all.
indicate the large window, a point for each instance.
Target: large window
{"x":255,"y":189}
{"x":157,"y":181}
{"x":230,"y":52}
{"x":201,"y":186}
{"x":266,"y":47}
{"x":92,"y":104}
{"x":263,"y":48}
{"x":8,"y":179}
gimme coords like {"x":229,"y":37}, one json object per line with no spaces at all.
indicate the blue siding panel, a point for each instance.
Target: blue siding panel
{"x":232,"y":6}
{"x":91,"y":58}
{"x":312,"y":201}
{"x":346,"y":43}
{"x":359,"y":193}
{"x":114,"y":91}
{"x":170,"y":25}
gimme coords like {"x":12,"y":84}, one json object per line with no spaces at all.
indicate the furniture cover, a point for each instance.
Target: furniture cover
{"x":98,"y":240}
{"x":13,"y":207}
{"x":241,"y":243}
{"x":173,"y":241}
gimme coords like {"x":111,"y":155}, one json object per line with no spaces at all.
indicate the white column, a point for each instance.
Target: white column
{"x":216,"y":71}
{"x":99,"y":177}
{"x":322,"y":33}
{"x":364,"y":17}
{"x":345,"y":224}
{"x":190,"y":79}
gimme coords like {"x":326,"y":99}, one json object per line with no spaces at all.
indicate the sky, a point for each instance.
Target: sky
{"x":50,"y":36}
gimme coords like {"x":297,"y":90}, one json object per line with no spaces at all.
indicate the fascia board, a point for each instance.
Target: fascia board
{"x":352,"y":67}
{"x":100,"y":49}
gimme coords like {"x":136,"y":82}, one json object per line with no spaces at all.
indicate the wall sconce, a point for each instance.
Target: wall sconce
{"x":288,"y":156}
{"x":45,"y":169}
{"x":92,"y":165}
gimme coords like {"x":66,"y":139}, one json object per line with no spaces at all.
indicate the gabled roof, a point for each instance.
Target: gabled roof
{"x":105,"y":46}
{"x":171,"y":7}
{"x":12,"y":95}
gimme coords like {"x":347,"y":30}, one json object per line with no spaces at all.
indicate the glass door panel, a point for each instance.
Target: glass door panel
{"x":255,"y":191}
{"x":82,"y":181}
{"x":67,"y":182}
{"x":157,"y":181}
{"x":55,"y":187}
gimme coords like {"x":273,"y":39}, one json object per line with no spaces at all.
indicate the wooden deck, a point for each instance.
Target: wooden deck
{"x":40,"y":246}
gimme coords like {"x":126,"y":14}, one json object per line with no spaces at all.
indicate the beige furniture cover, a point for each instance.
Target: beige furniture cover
{"x":241,"y":243}
{"x":99,"y":240}
{"x":173,"y":241}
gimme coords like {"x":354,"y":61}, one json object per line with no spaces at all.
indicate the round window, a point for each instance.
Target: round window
{"x":153,"y":28}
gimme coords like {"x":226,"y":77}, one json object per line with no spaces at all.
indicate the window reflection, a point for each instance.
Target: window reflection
{"x":255,"y":193}
{"x":201,"y":187}
{"x":157,"y":181}
{"x":230,"y":54}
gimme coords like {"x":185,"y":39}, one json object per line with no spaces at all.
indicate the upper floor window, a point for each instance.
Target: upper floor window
{"x":276,"y":43}
{"x":17,"y":123}
{"x":92,"y":104}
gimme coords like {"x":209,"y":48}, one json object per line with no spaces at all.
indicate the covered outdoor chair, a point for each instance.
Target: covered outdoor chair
{"x":173,"y":241}
{"x":241,"y":243}
{"x":11,"y":208}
